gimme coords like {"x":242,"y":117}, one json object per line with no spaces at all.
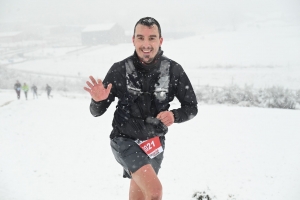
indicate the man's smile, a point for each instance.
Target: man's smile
{"x":146,"y":50}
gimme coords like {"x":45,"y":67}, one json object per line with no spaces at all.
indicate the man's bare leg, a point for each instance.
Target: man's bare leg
{"x":135,"y":192}
{"x":147,"y":181}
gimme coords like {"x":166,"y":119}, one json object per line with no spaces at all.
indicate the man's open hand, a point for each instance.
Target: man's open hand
{"x":97,"y":90}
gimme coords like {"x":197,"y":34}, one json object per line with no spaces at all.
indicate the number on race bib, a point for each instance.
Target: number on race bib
{"x":151,"y":147}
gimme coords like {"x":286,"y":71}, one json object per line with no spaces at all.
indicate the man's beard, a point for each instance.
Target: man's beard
{"x":147,"y":59}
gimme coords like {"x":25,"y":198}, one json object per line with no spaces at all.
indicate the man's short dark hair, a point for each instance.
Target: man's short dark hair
{"x":148,"y":21}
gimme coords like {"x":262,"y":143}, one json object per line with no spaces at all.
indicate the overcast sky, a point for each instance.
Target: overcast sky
{"x":181,"y":13}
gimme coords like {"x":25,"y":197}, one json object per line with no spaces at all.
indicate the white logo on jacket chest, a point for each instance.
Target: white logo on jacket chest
{"x":161,"y":88}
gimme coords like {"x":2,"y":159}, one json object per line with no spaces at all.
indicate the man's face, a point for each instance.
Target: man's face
{"x":147,"y":42}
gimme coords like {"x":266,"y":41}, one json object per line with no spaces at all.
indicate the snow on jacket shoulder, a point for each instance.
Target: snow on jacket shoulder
{"x":143,"y":91}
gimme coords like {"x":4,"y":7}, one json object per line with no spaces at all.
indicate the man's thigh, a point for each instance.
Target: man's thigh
{"x":132,"y":157}
{"x":147,"y":180}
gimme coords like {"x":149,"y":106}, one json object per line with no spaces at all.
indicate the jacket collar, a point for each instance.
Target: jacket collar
{"x":145,"y":67}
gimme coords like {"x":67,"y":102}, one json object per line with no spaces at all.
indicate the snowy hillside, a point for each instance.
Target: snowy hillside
{"x":262,"y":57}
{"x":55,"y":150}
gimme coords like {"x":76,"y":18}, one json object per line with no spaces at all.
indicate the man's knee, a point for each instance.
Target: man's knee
{"x":155,"y":193}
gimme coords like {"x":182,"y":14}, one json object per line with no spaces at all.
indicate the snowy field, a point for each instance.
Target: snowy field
{"x":55,"y":150}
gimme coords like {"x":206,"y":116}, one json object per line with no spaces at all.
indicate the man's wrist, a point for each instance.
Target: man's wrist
{"x":174,"y":115}
{"x":96,"y":102}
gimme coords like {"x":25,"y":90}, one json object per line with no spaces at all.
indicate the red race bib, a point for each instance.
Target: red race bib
{"x":151,"y":147}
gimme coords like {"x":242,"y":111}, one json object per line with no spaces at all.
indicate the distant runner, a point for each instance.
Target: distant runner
{"x":48,"y":89}
{"x":34,"y":91}
{"x":17,"y":88}
{"x":25,"y":88}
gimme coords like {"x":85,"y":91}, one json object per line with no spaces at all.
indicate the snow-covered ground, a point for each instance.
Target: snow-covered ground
{"x":55,"y":150}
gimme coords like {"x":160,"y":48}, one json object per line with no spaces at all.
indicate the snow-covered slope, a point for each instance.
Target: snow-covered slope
{"x":55,"y":149}
{"x":262,"y":57}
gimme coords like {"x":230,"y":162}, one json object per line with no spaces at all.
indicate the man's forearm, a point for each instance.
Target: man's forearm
{"x":98,"y":108}
{"x":185,"y":113}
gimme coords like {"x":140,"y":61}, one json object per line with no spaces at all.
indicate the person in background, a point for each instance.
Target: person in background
{"x":25,"y":88}
{"x":17,"y":88}
{"x":145,"y":83}
{"x":48,"y":89}
{"x":34,"y":91}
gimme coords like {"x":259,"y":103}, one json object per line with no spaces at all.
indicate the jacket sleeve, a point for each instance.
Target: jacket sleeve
{"x":99,"y":108}
{"x":186,"y":96}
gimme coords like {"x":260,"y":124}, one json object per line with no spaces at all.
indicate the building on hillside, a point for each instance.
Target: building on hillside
{"x":65,"y":30}
{"x":9,"y":37}
{"x":64,"y":35}
{"x":109,"y":33}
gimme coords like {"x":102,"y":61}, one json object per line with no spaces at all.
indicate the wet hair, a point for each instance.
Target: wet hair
{"x":148,"y":21}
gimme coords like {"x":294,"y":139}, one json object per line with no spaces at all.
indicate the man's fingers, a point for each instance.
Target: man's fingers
{"x":167,"y":122}
{"x":163,"y":116}
{"x":109,"y":88}
{"x":158,"y":116}
{"x":100,"y":82}
{"x":93,"y":80}
{"x":87,"y":89}
{"x":166,"y":117}
{"x":89,"y":84}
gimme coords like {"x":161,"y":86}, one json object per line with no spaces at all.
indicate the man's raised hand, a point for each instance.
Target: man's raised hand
{"x":97,"y":90}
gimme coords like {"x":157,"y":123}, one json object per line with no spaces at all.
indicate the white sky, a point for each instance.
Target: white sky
{"x":192,"y":14}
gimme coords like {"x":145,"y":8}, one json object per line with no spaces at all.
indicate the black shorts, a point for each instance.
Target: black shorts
{"x":132,"y":157}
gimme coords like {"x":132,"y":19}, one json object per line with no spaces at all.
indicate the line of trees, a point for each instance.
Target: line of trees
{"x":272,"y":97}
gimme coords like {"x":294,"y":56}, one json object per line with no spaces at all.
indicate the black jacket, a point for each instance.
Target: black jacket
{"x":143,"y":92}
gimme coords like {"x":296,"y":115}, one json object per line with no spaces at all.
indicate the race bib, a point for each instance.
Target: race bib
{"x":151,"y":147}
